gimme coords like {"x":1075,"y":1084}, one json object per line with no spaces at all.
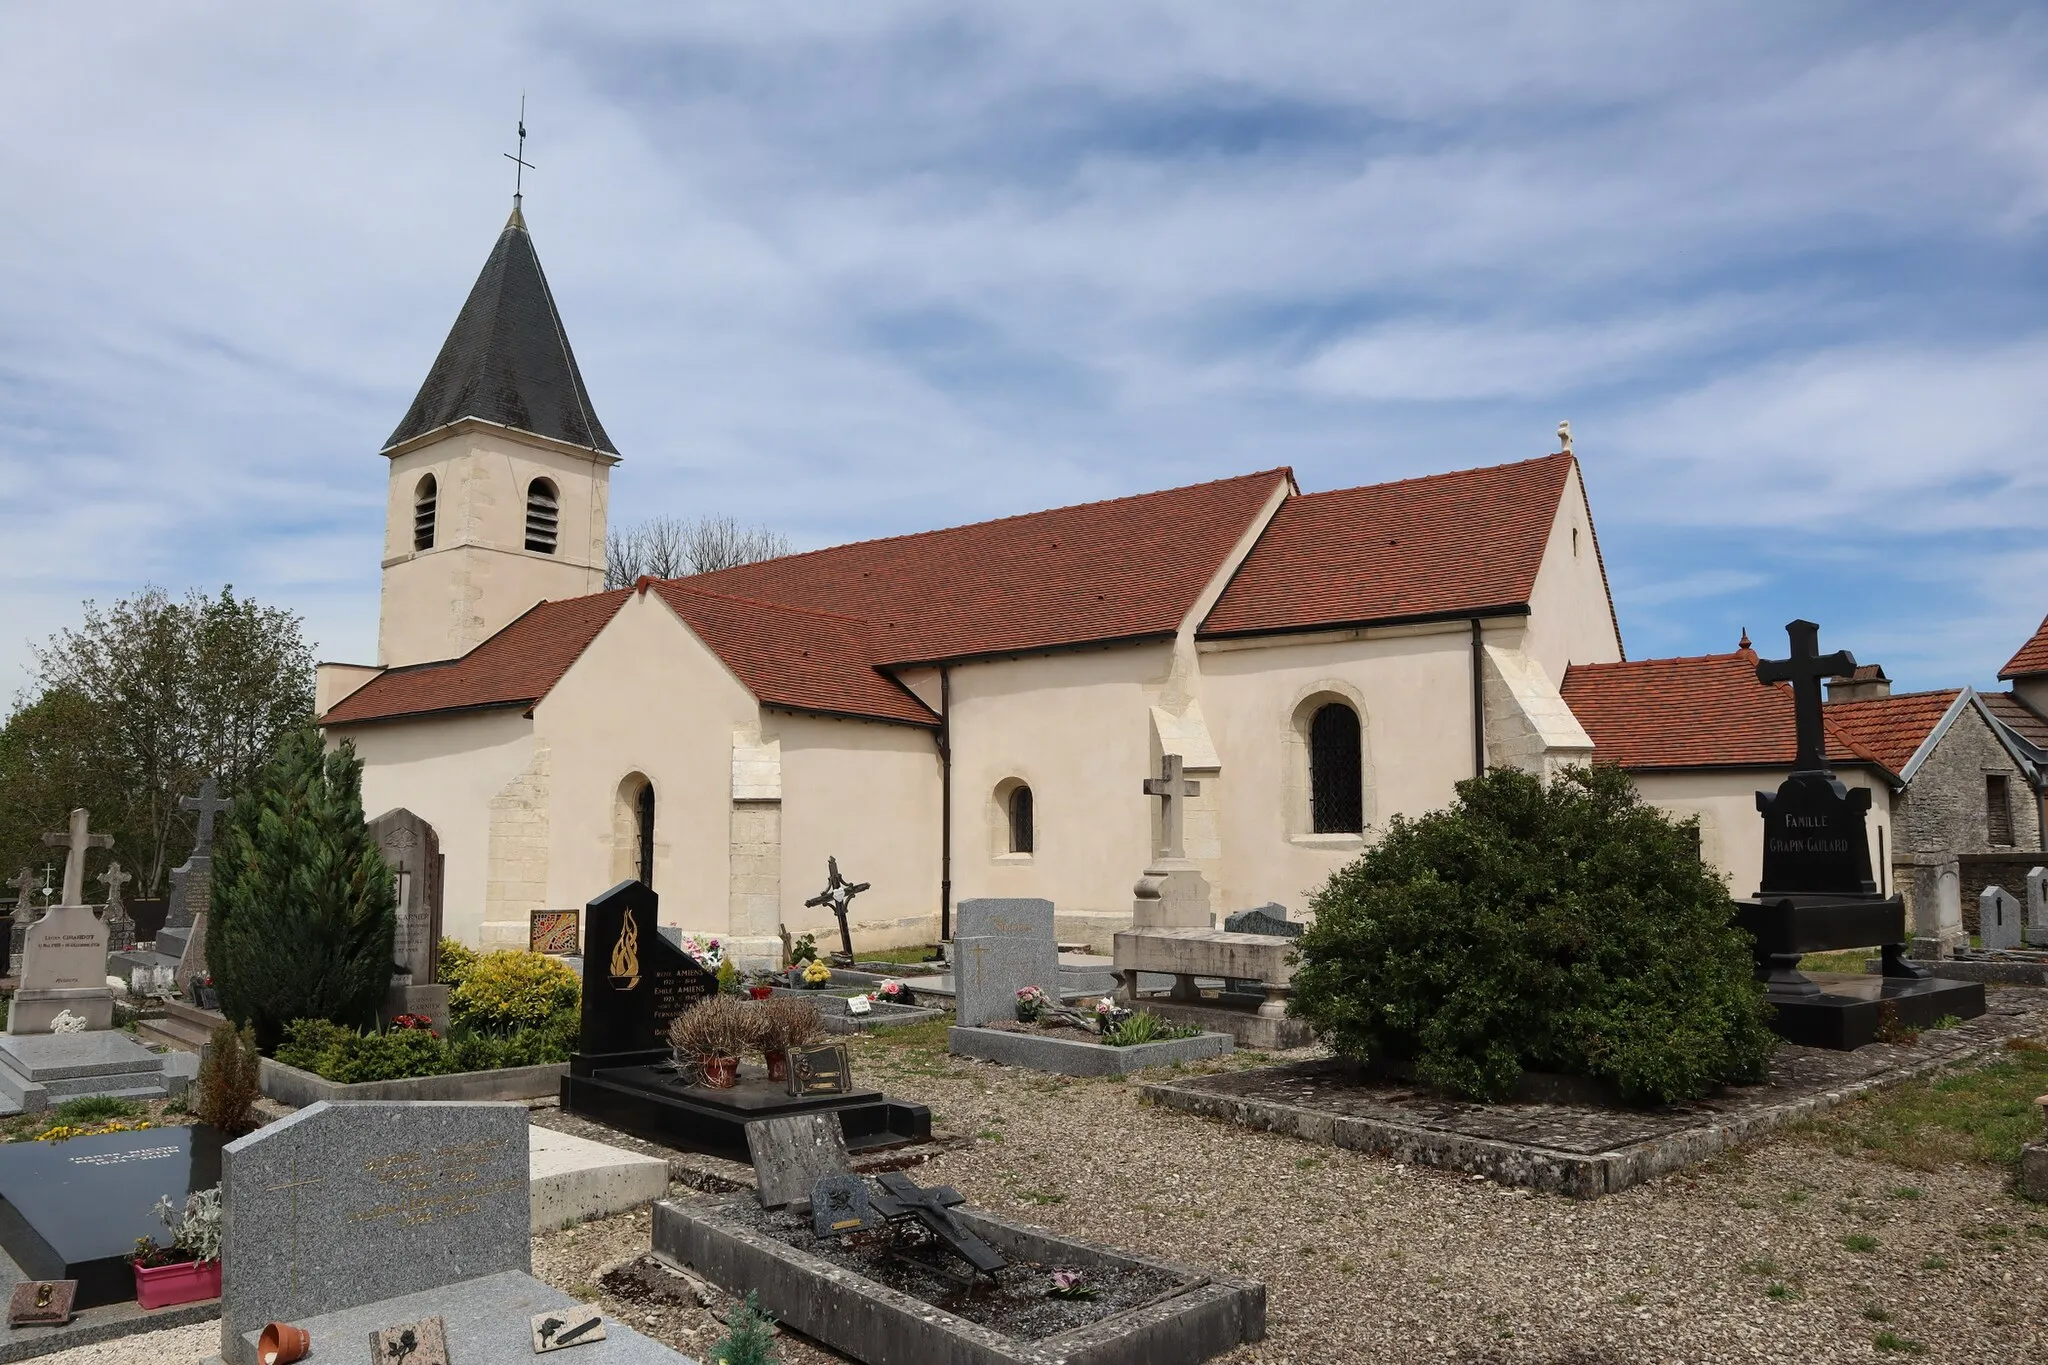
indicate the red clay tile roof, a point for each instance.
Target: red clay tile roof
{"x":1704,"y":712}
{"x":2019,"y":716}
{"x":790,"y":656}
{"x":2033,"y":655}
{"x":1115,"y":570}
{"x":1891,"y":728}
{"x":517,"y":666}
{"x":1444,"y":545}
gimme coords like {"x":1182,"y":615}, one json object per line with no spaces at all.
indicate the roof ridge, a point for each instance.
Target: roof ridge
{"x":1277,"y":470}
{"x":1443,"y":475}
{"x":1903,"y":696}
{"x":1664,"y":659}
{"x":683,"y":584}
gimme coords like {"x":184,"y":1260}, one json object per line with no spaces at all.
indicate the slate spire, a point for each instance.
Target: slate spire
{"x":507,"y":359}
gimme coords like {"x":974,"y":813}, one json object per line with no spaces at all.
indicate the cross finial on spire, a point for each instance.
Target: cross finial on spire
{"x":1564,"y":436}
{"x":520,"y":163}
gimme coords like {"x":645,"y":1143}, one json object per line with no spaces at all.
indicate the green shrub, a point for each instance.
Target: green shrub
{"x":302,"y":911}
{"x":87,"y":1109}
{"x":750,"y":1336}
{"x":456,"y":958}
{"x":510,"y":990}
{"x":1563,"y":926}
{"x":347,"y":1056}
{"x":229,"y":1079}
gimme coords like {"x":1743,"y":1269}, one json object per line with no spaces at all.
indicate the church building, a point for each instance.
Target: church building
{"x":963,"y":712}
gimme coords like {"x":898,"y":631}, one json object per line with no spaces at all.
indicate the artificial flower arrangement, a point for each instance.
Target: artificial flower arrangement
{"x":1109,"y":1014}
{"x":893,"y":993}
{"x":188,"y":1270}
{"x":1031,"y":1002}
{"x":816,"y":975}
{"x":708,"y":951}
{"x":1066,"y":1284}
{"x":414,"y":1021}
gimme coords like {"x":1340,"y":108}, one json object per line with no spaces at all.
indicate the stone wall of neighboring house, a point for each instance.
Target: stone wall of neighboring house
{"x":2008,"y":870}
{"x":1943,"y":807}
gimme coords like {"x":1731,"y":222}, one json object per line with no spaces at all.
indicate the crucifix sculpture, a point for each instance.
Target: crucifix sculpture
{"x":838,"y":894}
{"x":1805,"y":670}
{"x":113,"y":879}
{"x":75,"y":841}
{"x":208,"y":803}
{"x":1171,"y":790}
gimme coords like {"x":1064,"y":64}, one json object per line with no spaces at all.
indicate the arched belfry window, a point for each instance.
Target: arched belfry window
{"x":1020,"y":819}
{"x":644,"y":863}
{"x":543,"y":516}
{"x":425,"y":498}
{"x":1336,"y":782}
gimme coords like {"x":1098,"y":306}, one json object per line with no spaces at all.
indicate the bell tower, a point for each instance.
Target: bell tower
{"x":499,"y":473}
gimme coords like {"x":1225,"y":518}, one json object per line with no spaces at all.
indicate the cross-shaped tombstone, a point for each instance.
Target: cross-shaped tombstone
{"x":75,"y":841}
{"x":208,"y":803}
{"x":120,"y":928}
{"x":25,"y":883}
{"x":114,"y":879}
{"x":839,"y":894}
{"x":902,"y":1198}
{"x":1804,"y":670}
{"x":1170,"y":789}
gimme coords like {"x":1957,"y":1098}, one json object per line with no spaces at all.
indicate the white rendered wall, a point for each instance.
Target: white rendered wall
{"x":1570,"y":618}
{"x":1731,"y":830}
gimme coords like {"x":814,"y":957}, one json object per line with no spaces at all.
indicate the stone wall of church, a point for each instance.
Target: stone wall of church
{"x":1944,"y":807}
{"x":516,"y":882}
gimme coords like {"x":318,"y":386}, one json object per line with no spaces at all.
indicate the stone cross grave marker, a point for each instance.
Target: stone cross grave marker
{"x":192,"y":880}
{"x":63,"y":968}
{"x":75,"y":841}
{"x":1998,"y":919}
{"x":348,"y":1204}
{"x":208,"y":804}
{"x":838,"y":896}
{"x":1816,"y":839}
{"x":24,"y":884}
{"x":1171,"y":790}
{"x":791,"y":1154}
{"x":1003,"y":945}
{"x":2037,"y":908}
{"x":1805,"y":670}
{"x":120,"y":928}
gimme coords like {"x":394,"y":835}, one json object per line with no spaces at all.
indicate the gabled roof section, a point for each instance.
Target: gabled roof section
{"x":1895,"y":728}
{"x":2033,"y":655}
{"x":507,"y":359}
{"x":1128,"y":568}
{"x":1467,"y":543}
{"x":2017,"y":716}
{"x":516,"y":667}
{"x":790,"y":657}
{"x":1703,"y":712}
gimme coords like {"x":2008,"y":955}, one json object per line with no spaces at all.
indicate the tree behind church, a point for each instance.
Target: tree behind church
{"x":303,"y":910}
{"x":1564,"y":927}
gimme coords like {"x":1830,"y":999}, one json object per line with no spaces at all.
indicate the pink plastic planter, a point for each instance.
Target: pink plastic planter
{"x":161,"y":1286}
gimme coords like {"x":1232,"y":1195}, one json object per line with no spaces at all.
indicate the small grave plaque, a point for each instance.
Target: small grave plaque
{"x":578,"y":1326}
{"x":791,"y":1154}
{"x":555,"y":931}
{"x":411,"y":1343}
{"x":859,"y":1004}
{"x":41,"y":1303}
{"x":635,"y":982}
{"x":839,"y":1205}
{"x":823,"y":1070}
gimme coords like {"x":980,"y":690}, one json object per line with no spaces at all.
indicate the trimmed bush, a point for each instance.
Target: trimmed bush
{"x":1565,"y":927}
{"x":504,"y":991}
{"x":229,"y":1079}
{"x":302,"y":912}
{"x":347,"y":1056}
{"x":456,"y":958}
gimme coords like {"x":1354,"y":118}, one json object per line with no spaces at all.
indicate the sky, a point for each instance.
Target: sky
{"x":855,"y":270}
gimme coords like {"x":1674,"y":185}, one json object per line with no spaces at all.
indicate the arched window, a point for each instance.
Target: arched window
{"x":543,"y":516}
{"x":424,"y":499}
{"x":645,"y":862}
{"x":1020,"y":819}
{"x":1336,"y":786}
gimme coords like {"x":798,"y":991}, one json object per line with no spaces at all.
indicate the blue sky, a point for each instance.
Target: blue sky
{"x":849,"y":270}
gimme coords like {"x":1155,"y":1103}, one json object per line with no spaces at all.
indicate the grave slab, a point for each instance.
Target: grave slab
{"x":792,"y":1154}
{"x":1078,"y":1056}
{"x":575,"y":1179}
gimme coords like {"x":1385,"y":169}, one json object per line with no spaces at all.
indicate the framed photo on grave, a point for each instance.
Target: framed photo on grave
{"x":559,"y":932}
{"x":823,"y":1070}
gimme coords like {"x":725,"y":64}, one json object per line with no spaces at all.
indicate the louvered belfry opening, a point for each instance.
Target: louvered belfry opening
{"x":1020,"y":820}
{"x":425,"y":499}
{"x":1336,"y":792}
{"x":543,"y":516}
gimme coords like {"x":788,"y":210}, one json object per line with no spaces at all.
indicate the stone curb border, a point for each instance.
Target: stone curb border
{"x":1040,"y":1052}
{"x":1541,"y":1168}
{"x":26,"y":1343}
{"x":289,"y":1085}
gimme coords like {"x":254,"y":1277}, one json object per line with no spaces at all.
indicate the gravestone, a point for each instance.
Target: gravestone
{"x":412,"y":851}
{"x":792,"y":1154}
{"x":1269,"y":919}
{"x":1002,"y":946}
{"x":2037,"y":908}
{"x":1998,"y":919}
{"x":1937,"y":884}
{"x":341,"y":1205}
{"x":635,"y":982}
{"x":839,"y":1205}
{"x":120,"y":928}
{"x":63,"y":967}
{"x":1173,"y":893}
{"x":192,"y":880}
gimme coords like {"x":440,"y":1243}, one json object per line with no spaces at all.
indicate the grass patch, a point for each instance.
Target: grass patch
{"x":1862,"y":1243}
{"x":1978,"y":1118}
{"x":1935,"y":1263}
{"x":1892,"y":1341}
{"x":1908,"y":1192}
{"x":1762,"y":1265}
{"x":1847,"y":960}
{"x":92,"y":1109}
{"x":1782,"y":1292}
{"x":904,"y":957}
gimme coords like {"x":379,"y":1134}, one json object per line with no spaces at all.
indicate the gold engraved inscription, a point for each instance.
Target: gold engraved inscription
{"x":431,"y":1187}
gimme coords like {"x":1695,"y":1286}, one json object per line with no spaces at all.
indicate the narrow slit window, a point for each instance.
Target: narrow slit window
{"x":543,"y":516}
{"x":646,"y":813}
{"x":1020,"y":820}
{"x":425,"y":499}
{"x":1998,"y":809}
{"x":1336,"y":791}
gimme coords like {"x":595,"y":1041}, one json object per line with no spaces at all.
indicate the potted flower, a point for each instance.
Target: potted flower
{"x":712,"y":1034}
{"x":188,"y":1270}
{"x":787,"y":1022}
{"x":893,"y":993}
{"x":761,"y":986}
{"x":1108,"y":1014}
{"x":1031,"y":1003}
{"x":815,"y":977}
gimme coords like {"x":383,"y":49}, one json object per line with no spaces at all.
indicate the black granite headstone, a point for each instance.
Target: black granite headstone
{"x":1815,"y":838}
{"x":1264,"y":921}
{"x":634,"y":980}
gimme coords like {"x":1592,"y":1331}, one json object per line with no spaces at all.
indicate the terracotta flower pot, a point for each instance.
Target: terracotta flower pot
{"x":720,"y":1073}
{"x":161,"y":1286}
{"x":282,"y":1343}
{"x":760,"y":992}
{"x":778,"y":1065}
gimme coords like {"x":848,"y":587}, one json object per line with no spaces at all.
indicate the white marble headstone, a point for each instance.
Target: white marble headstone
{"x":63,"y":968}
{"x":2037,"y":908}
{"x":1998,"y":919}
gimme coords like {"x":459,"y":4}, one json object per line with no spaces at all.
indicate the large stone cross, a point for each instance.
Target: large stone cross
{"x":113,"y":879}
{"x":1170,"y":789}
{"x":25,"y":883}
{"x":75,"y":841}
{"x":208,"y":803}
{"x":1804,"y":670}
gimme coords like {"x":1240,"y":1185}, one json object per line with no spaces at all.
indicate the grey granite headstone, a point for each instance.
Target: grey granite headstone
{"x":412,"y":851}
{"x":1005,"y":917}
{"x":63,"y":967}
{"x":2037,"y":908}
{"x":793,"y":1153}
{"x":992,"y":969}
{"x":1998,"y":918}
{"x":345,"y":1204}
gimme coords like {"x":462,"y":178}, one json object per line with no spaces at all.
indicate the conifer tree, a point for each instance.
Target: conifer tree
{"x":303,"y":910}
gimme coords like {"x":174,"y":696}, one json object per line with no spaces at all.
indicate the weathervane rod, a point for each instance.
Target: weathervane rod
{"x":520,"y":161}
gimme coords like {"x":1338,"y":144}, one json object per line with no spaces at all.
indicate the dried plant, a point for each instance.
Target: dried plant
{"x":721,"y":1026}
{"x":788,"y":1022}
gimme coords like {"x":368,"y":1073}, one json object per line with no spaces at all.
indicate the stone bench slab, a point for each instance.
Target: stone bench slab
{"x":1206,"y":952}
{"x":575,"y":1179}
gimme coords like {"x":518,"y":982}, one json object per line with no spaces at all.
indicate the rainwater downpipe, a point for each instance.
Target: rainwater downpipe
{"x":945,"y":803}
{"x":1478,"y":702}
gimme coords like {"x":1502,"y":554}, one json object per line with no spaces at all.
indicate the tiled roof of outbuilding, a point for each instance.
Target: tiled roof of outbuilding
{"x":1444,"y":545}
{"x":2017,"y":714}
{"x":1892,"y":728}
{"x":2033,"y":655}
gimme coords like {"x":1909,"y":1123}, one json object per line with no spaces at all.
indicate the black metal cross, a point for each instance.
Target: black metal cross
{"x":838,"y":894}
{"x":520,"y":161}
{"x":1804,"y":670}
{"x":902,"y":1197}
